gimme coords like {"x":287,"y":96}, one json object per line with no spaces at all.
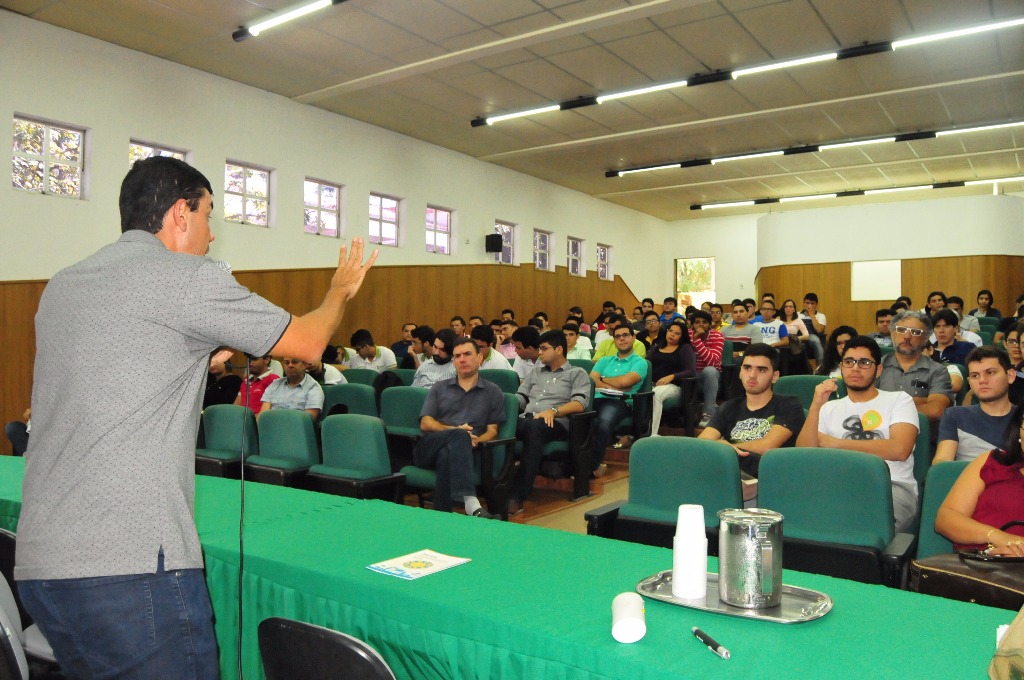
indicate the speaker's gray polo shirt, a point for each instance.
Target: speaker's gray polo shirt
{"x":123,"y":340}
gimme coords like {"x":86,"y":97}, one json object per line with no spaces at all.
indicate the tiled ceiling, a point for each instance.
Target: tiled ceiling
{"x":426,"y":68}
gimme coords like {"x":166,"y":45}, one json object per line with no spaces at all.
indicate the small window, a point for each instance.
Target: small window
{"x":139,"y":150}
{"x":508,"y":242}
{"x":542,"y":250}
{"x":246,"y":194}
{"x":604,"y":262}
{"x":575,"y":260}
{"x":47,"y":158}
{"x":384,"y":220}
{"x":322,"y":207}
{"x":439,"y":230}
{"x":695,"y":280}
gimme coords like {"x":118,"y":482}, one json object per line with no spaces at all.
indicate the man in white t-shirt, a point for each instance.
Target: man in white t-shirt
{"x":369,"y":354}
{"x":868,"y":420}
{"x":815,"y":322}
{"x":773,"y":331}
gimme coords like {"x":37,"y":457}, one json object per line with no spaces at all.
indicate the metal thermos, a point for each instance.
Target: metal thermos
{"x":750,"y":558}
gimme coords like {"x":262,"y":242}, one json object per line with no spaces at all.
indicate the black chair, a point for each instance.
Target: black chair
{"x":293,"y":650}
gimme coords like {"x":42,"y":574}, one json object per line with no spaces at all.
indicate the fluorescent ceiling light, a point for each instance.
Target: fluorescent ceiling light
{"x":278,"y":18}
{"x":532,"y":112}
{"x":727,"y":159}
{"x":896,"y":44}
{"x":656,"y":167}
{"x":895,"y":189}
{"x":643,"y":90}
{"x":980,"y":128}
{"x":790,"y":199}
{"x":784,"y":64}
{"x":999,"y":180}
{"x":736,"y":204}
{"x":863,"y":142}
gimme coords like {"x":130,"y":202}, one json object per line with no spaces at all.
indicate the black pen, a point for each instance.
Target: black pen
{"x":710,"y":642}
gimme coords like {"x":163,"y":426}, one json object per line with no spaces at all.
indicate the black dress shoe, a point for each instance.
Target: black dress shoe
{"x":480,"y":512}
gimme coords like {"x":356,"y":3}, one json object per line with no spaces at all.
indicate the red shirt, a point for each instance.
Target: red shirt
{"x":1002,"y":499}
{"x":256,"y":388}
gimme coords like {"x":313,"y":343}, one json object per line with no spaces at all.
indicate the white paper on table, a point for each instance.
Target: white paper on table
{"x":417,"y":564}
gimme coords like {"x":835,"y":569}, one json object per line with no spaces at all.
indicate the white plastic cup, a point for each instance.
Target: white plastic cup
{"x":628,"y":621}
{"x":690,"y":554}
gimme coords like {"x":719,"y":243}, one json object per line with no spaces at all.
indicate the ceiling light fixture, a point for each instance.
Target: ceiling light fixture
{"x":972,"y":30}
{"x":620,"y":173}
{"x":980,"y":128}
{"x":283,"y":16}
{"x":738,"y":73}
{"x":744,"y":157}
{"x":791,"y":199}
{"x":643,"y":90}
{"x":1000,"y":180}
{"x":734,"y":204}
{"x":520,"y":114}
{"x":892,"y":190}
{"x":862,"y":142}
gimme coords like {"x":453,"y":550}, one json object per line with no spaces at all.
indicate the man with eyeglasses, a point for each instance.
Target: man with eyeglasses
{"x":621,"y":373}
{"x":651,"y":329}
{"x":554,"y":390}
{"x":869,"y":420}
{"x":773,"y":331}
{"x":606,"y":344}
{"x":966,"y":432}
{"x":438,"y":366}
{"x":717,"y":313}
{"x":908,"y":370}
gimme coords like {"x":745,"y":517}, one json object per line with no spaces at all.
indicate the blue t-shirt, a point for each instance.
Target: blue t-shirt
{"x":975,"y":431}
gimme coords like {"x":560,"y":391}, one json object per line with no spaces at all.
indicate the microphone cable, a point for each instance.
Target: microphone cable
{"x":241,"y":512}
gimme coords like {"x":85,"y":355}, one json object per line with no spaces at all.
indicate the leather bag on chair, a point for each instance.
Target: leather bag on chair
{"x":953,"y":576}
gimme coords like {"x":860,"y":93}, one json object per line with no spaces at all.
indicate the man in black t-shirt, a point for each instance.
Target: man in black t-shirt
{"x":760,"y":420}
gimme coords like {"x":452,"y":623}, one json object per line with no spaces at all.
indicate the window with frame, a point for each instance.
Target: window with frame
{"x":246,"y":194}
{"x":695,"y":280}
{"x":47,"y":158}
{"x":139,"y":150}
{"x":575,"y":262}
{"x":439,"y":230}
{"x":507,"y":230}
{"x":384,"y":220}
{"x":322,"y":207}
{"x":604,"y":262}
{"x":542,"y":250}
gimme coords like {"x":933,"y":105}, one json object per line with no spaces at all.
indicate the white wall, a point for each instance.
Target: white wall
{"x":117,"y":94}
{"x":732,"y":241}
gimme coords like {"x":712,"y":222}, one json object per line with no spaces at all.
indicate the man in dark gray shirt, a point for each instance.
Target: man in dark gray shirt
{"x":550,"y":393}
{"x":108,"y":558}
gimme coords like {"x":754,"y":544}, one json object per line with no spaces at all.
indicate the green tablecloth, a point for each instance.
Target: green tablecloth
{"x":536,"y":603}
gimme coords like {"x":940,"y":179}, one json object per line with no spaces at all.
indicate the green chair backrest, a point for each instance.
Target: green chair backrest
{"x":828,"y":495}
{"x":223,"y":425}
{"x":285,"y":433}
{"x":406,"y":374}
{"x":356,"y":397}
{"x":964,"y":388}
{"x":923,"y":452}
{"x":941,"y":478}
{"x":356,"y":445}
{"x":363,"y":376}
{"x":666,"y":472}
{"x":506,"y":380}
{"x":727,"y":357}
{"x":886,"y":350}
{"x":507,"y":430}
{"x":400,"y":406}
{"x":802,"y":387}
{"x":988,"y":323}
{"x":987,"y":336}
{"x":586,"y":364}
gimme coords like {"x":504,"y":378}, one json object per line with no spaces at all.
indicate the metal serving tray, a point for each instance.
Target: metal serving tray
{"x":798,"y":604}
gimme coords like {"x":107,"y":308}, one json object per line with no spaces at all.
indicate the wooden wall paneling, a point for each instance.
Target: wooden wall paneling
{"x":19,"y":301}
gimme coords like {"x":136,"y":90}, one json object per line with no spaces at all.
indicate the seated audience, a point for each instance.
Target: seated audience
{"x":956,"y":376}
{"x":908,"y":370}
{"x":650,"y":329}
{"x":543,"y":318}
{"x":948,"y":350}
{"x":672,"y":360}
{"x":988,"y":494}
{"x":458,"y":414}
{"x":868,"y":420}
{"x":507,"y":314}
{"x":985,"y":308}
{"x":370,"y":355}
{"x":966,"y":432}
{"x":623,"y":372}
{"x":256,"y":383}
{"x":325,"y":374}
{"x":577,"y":314}
{"x":507,"y":348}
{"x":221,"y":384}
{"x":795,"y":328}
{"x":668,"y":311}
{"x":707,"y":345}
{"x":830,"y":366}
{"x":526,"y":340}
{"x":483,"y":336}
{"x":815,"y":322}
{"x":761,"y":420}
{"x":717,"y":317}
{"x":753,"y":315}
{"x":936,"y":301}
{"x":637,"y":320}
{"x":1007,"y":323}
{"x":458,"y":326}
{"x":1012,"y":344}
{"x":474,"y":321}
{"x":554,"y":390}
{"x":575,"y":347}
{"x":401,"y":348}
{"x":773,"y":331}
{"x":967,"y":321}
{"x":883,"y":321}
{"x":437,"y":366}
{"x":741,"y":332}
{"x":296,"y":390}
{"x":607,"y":308}
{"x":421,"y":349}
{"x":605,"y":345}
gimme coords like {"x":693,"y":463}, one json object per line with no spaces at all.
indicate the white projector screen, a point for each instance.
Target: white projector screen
{"x":876,"y":280}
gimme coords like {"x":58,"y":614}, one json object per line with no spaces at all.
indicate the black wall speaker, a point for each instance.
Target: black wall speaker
{"x":492,"y":243}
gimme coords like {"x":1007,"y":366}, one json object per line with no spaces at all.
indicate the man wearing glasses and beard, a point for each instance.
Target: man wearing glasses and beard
{"x":868,"y":420}
{"x":908,"y":370}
